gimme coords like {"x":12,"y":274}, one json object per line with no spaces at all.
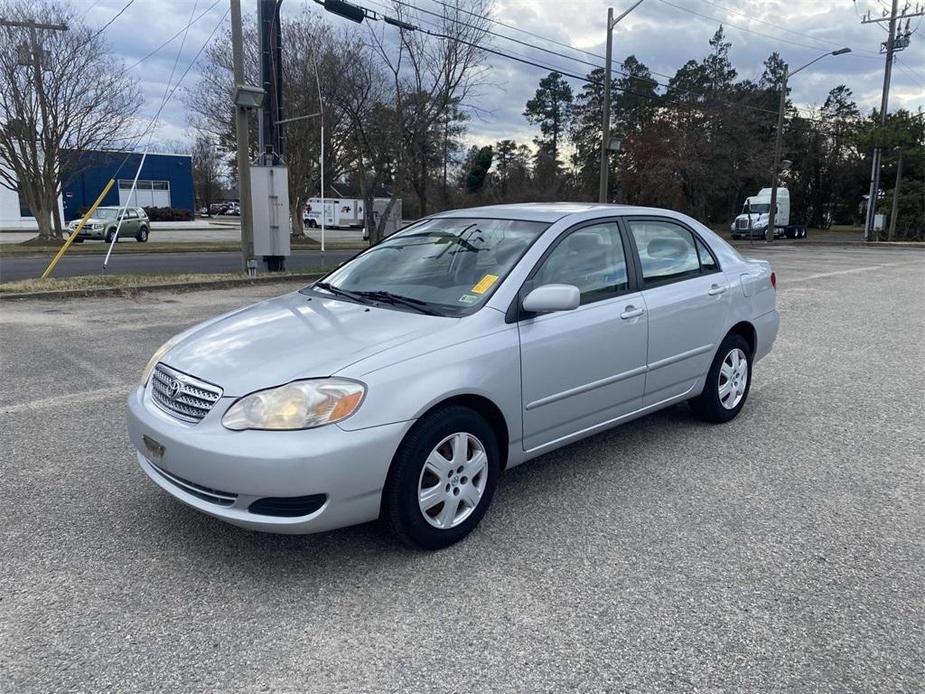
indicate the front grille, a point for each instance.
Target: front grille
{"x":288,"y":506}
{"x":741,"y":224}
{"x":214,"y":496}
{"x":182,"y":396}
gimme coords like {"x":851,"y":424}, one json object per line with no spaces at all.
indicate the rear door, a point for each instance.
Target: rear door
{"x":582,"y":368}
{"x":687,"y":299}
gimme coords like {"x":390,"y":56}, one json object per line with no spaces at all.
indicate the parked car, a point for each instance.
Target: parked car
{"x":105,"y":220}
{"x":403,"y":383}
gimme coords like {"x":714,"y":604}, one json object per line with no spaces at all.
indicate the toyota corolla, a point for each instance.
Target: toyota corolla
{"x":401,"y":385}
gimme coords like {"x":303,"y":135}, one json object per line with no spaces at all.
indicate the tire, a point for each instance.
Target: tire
{"x":433,"y":438}
{"x":142,"y":235}
{"x":78,"y":240}
{"x":110,"y":235}
{"x":709,"y":405}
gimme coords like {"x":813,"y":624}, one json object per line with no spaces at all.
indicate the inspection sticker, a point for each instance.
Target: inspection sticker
{"x":484,"y":284}
{"x":468,"y":299}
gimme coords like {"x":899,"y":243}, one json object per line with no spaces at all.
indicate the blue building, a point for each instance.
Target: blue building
{"x":166,"y":180}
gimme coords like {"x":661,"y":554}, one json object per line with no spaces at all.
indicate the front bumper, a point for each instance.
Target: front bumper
{"x":348,"y":467}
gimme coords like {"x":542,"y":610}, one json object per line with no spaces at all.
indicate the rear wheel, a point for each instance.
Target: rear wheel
{"x":728,"y":382}
{"x":442,"y":479}
{"x":142,"y":235}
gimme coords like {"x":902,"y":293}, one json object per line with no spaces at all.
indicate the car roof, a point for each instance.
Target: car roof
{"x":547,"y":211}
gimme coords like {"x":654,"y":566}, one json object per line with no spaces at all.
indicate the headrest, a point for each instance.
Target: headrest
{"x":667,"y":248}
{"x":584,"y":243}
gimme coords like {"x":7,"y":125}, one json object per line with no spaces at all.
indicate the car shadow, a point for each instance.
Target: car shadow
{"x":267,"y":556}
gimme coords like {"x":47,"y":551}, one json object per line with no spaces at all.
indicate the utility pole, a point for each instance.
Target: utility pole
{"x":775,"y":166}
{"x":243,"y":139}
{"x":892,"y":45}
{"x":899,"y":180}
{"x":271,"y":74}
{"x":604,"y":193}
{"x":34,"y":60}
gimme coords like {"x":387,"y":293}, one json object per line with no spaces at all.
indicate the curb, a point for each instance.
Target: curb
{"x":145,"y":288}
{"x":828,"y":244}
{"x":44,"y":252}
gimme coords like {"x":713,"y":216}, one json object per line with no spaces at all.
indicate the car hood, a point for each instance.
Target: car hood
{"x":291,"y":337}
{"x":92,"y":220}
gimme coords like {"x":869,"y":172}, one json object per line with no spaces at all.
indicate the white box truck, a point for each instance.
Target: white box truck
{"x":753,"y":222}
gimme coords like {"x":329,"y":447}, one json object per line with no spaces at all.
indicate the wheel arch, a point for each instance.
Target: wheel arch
{"x":748,"y":332}
{"x":487,"y":409}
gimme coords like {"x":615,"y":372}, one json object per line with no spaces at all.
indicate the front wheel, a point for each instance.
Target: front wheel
{"x":110,"y":235}
{"x":442,"y":479}
{"x":728,"y":382}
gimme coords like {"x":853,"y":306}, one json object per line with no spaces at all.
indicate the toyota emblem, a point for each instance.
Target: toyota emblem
{"x":175,"y":389}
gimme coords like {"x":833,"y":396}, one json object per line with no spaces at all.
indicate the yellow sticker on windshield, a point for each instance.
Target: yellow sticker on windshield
{"x":484,"y":284}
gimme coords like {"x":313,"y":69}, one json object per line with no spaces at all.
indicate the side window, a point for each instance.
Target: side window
{"x":707,"y":263}
{"x":667,"y":251}
{"x":130,"y":213}
{"x":590,"y":258}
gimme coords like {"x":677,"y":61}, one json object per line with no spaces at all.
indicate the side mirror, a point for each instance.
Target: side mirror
{"x":552,"y":297}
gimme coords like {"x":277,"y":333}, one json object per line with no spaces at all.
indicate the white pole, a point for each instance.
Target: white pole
{"x":322,"y":184}
{"x":115,"y":237}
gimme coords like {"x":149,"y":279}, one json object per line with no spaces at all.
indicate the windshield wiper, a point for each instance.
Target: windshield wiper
{"x":389,"y":297}
{"x":337,"y":291}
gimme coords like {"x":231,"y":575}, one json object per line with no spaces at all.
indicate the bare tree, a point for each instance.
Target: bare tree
{"x":60,"y":95}
{"x":433,"y":70}
{"x":207,"y":171}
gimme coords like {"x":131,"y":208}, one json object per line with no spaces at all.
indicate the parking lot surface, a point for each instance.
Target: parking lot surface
{"x":784,"y":551}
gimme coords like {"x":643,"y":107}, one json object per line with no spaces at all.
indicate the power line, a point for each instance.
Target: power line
{"x":500,"y":36}
{"x":115,"y":17}
{"x":524,"y":59}
{"x":740,"y":28}
{"x":169,"y":94}
{"x":516,"y":28}
{"x":910,"y":72}
{"x":170,"y":40}
{"x":778,"y":26}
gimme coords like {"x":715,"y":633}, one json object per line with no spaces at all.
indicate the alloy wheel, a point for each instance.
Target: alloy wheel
{"x":452,"y":480}
{"x":733,"y":379}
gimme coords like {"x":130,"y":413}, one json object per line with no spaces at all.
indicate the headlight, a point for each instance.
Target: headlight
{"x":296,"y":405}
{"x":156,"y":357}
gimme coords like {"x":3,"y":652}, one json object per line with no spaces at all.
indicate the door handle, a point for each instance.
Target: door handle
{"x":632,"y":312}
{"x":716,"y":289}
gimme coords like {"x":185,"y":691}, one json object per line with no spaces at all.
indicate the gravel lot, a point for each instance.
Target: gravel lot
{"x":784,"y":551}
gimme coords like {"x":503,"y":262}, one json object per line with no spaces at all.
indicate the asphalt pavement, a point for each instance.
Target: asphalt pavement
{"x":27,"y":267}
{"x":783,"y":551}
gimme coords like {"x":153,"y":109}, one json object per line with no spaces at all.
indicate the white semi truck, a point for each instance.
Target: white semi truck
{"x":753,"y":222}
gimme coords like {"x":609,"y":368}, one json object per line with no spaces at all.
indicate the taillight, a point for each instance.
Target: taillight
{"x":774,"y":280}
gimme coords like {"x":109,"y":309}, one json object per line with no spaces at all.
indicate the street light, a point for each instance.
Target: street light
{"x":248,"y":97}
{"x":606,"y":146}
{"x":775,"y":171}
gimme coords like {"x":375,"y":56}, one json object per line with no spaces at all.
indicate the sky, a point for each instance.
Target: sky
{"x":663,"y":34}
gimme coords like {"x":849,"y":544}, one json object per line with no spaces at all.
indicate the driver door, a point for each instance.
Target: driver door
{"x":585,"y":367}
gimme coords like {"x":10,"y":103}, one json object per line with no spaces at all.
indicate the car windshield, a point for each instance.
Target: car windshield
{"x":756,"y":208}
{"x":448,"y":266}
{"x":107,"y":213}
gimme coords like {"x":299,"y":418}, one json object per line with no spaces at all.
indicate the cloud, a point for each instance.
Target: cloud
{"x":658,"y":33}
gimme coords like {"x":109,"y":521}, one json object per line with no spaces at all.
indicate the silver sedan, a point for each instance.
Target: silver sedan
{"x":401,"y":385}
